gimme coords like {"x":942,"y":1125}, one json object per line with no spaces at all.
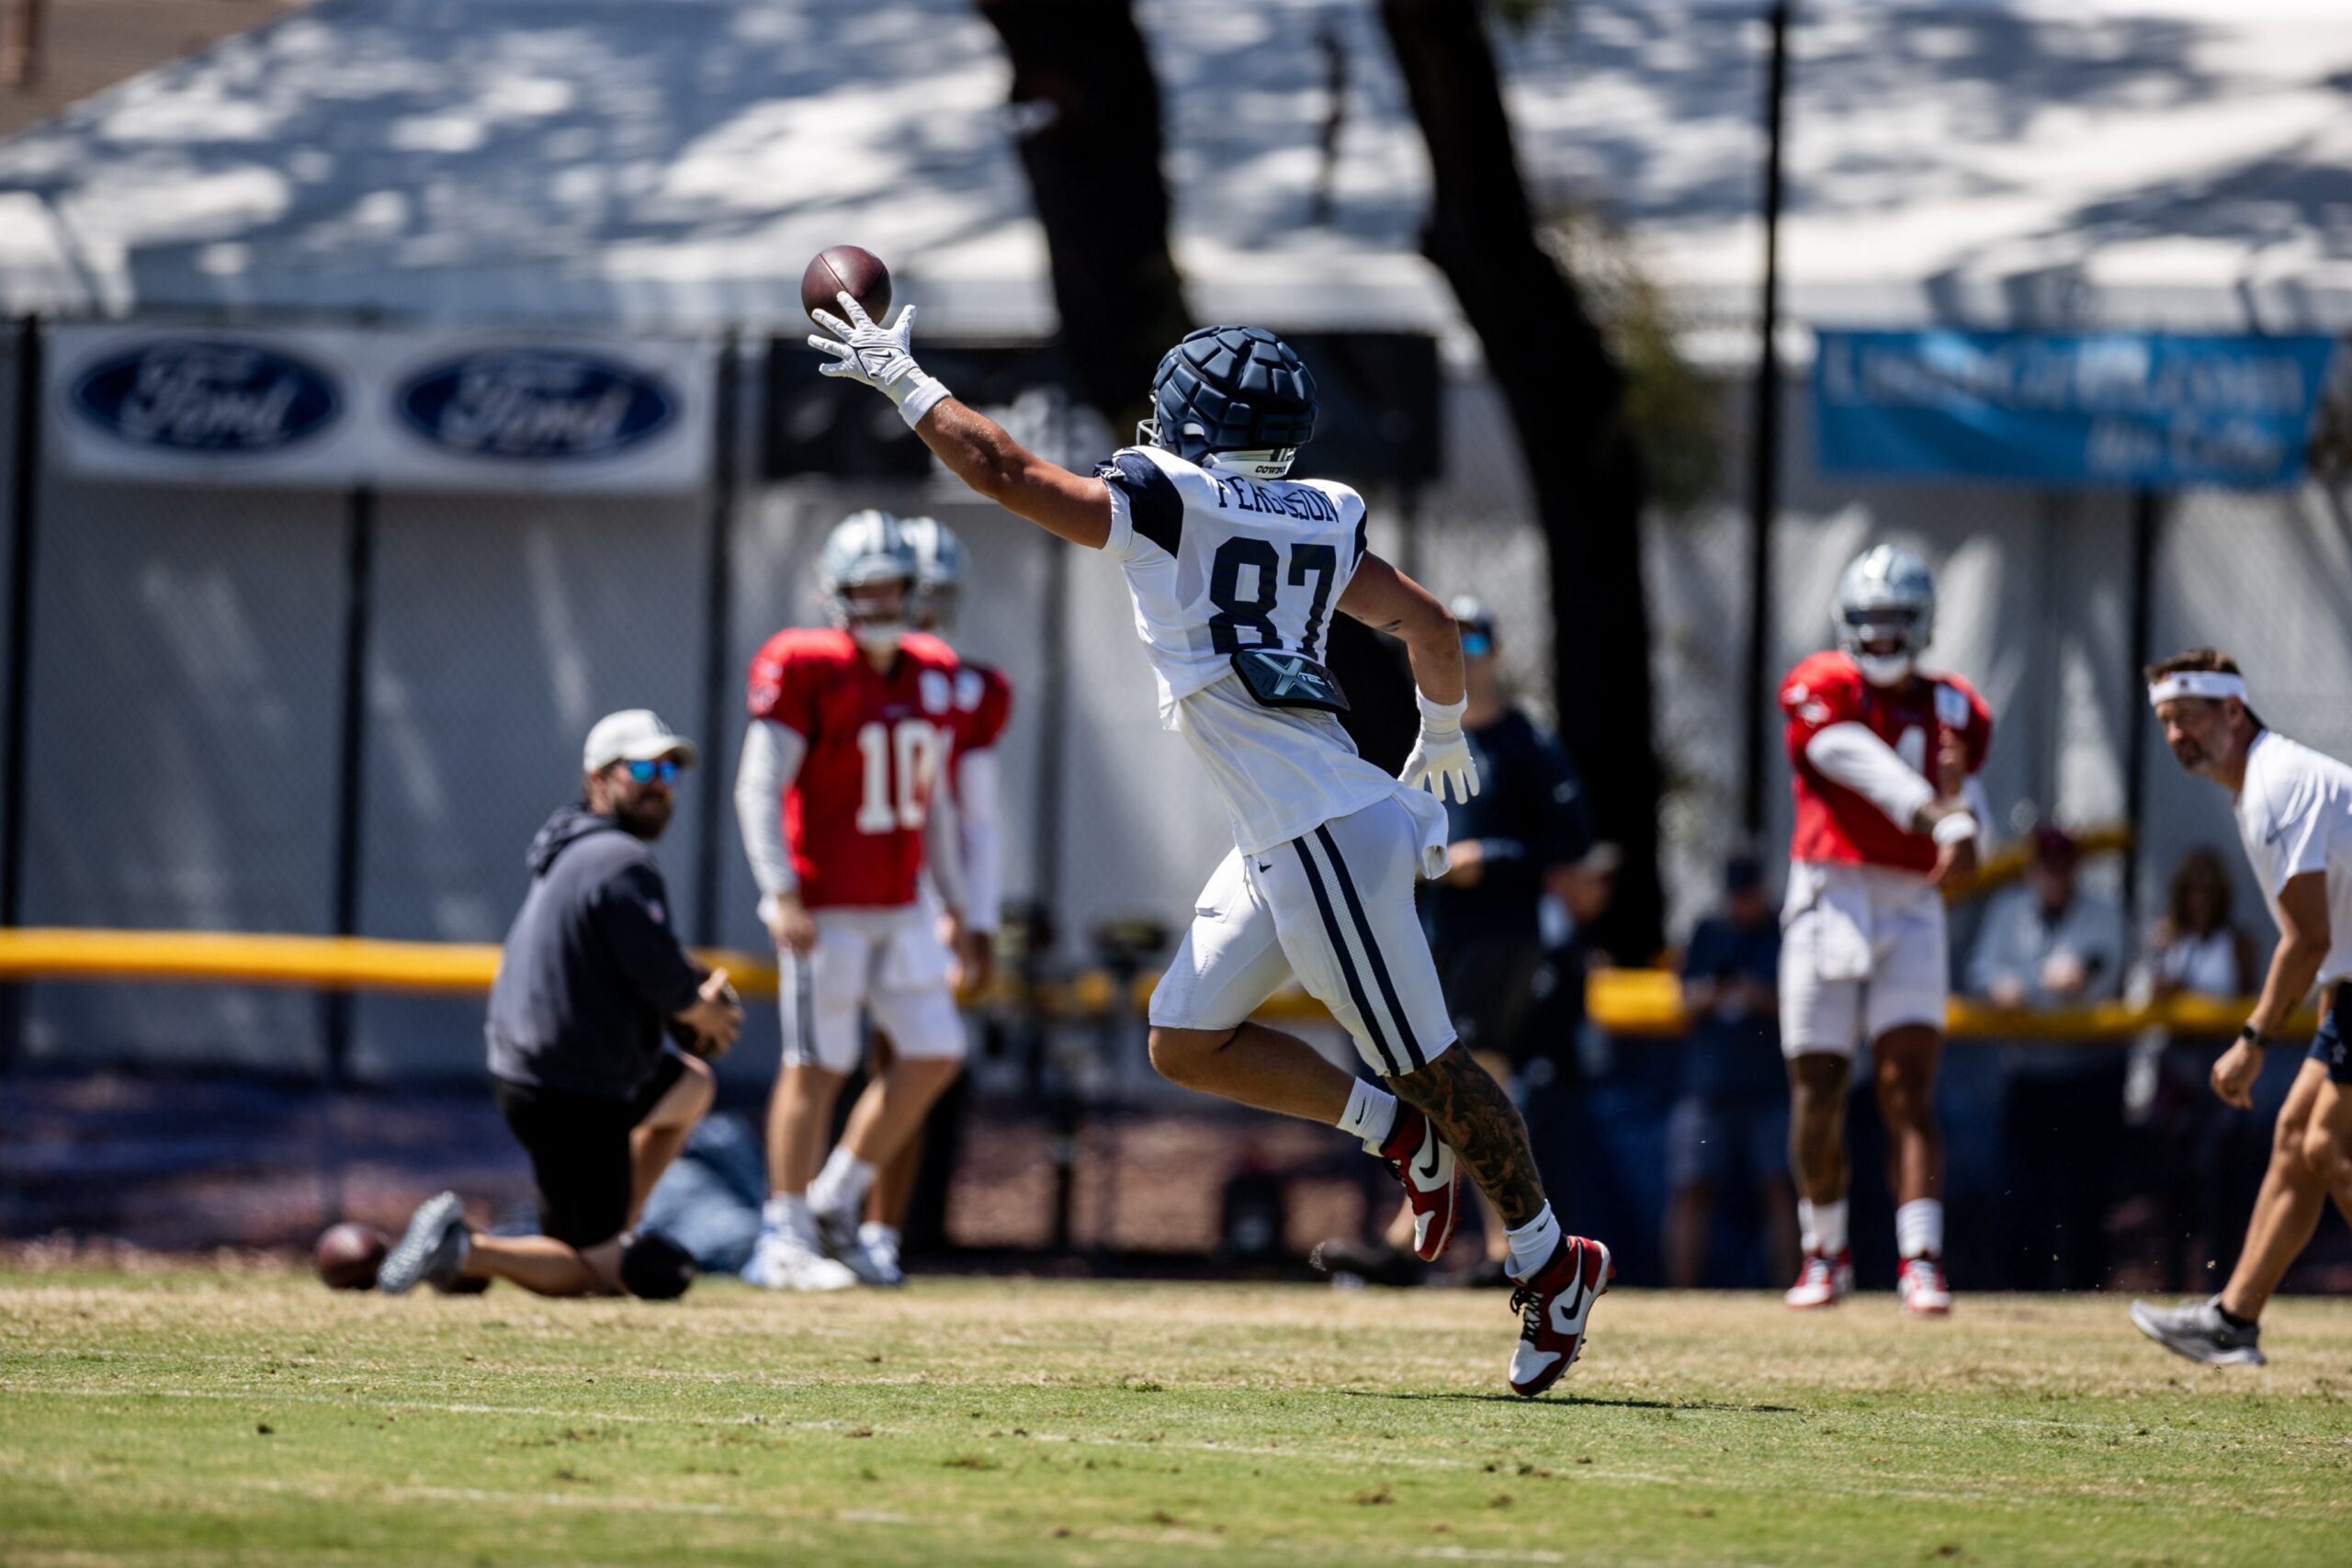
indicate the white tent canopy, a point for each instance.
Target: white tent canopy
{"x":671,"y":163}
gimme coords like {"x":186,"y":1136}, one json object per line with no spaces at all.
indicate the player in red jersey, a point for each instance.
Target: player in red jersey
{"x":1884,"y":755}
{"x":851,"y":729}
{"x":982,"y":709}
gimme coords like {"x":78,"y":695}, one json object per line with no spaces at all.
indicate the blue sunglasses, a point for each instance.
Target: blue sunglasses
{"x":662,"y":768}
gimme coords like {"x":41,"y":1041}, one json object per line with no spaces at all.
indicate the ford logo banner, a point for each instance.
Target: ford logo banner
{"x":535,"y":403}
{"x":208,"y":396}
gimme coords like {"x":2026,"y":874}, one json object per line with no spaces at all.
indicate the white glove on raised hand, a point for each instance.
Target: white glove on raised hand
{"x":1441,"y":754}
{"x":882,"y":357}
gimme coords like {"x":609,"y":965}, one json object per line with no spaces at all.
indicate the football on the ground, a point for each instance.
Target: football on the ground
{"x":845,"y":269}
{"x":348,"y":1256}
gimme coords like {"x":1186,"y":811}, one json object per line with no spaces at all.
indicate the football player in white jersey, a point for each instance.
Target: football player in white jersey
{"x":1235,"y":570}
{"x":2294,"y":813}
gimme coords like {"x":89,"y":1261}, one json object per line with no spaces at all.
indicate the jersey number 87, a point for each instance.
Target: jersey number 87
{"x":1235,"y":615}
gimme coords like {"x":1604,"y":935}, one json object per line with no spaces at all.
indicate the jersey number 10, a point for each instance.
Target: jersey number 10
{"x":906,"y":754}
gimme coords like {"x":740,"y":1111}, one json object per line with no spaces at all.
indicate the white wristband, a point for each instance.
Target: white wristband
{"x":1956,"y":828}
{"x":1441,"y":715}
{"x":926,"y":393}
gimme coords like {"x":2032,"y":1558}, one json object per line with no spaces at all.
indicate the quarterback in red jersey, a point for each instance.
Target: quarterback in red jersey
{"x":851,"y":729}
{"x":982,"y":708}
{"x":1884,"y":755}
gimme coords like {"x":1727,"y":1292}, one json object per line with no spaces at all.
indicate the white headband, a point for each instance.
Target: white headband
{"x":2214,"y":683}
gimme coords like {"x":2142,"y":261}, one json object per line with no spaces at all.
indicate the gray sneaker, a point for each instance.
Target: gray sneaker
{"x":432,"y":1251}
{"x":2198,"y":1331}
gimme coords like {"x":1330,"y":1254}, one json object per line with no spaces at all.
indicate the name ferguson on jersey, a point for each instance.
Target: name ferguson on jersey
{"x":1311,"y":505}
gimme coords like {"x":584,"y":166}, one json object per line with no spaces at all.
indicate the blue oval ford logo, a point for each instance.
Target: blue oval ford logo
{"x":536,"y":403}
{"x":207,"y":395}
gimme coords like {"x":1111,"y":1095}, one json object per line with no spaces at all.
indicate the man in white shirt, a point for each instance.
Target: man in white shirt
{"x":2294,"y":816}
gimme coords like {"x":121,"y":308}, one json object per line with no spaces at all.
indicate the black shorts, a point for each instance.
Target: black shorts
{"x":579,"y":1149}
{"x":1490,"y":990}
{"x":2328,"y":1046}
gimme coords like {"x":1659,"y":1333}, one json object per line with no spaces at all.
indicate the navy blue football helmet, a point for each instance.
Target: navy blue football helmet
{"x":1239,"y":391}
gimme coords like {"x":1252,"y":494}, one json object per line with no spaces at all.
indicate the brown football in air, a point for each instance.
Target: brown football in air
{"x":348,"y":1256}
{"x":845,"y":269}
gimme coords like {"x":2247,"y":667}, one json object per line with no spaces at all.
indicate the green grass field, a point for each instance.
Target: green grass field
{"x":200,"y":1416}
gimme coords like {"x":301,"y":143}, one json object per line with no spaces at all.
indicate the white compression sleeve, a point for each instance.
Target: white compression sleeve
{"x":1852,"y":755}
{"x":983,"y":836}
{"x":773,"y":753}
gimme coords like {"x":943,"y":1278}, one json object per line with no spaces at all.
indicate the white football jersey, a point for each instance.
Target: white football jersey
{"x":1218,"y":565}
{"x":2295,"y":816}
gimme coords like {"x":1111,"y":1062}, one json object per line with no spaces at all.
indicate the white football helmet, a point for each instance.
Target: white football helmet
{"x":866,"y":551}
{"x":939,"y":570}
{"x":1886,"y":612}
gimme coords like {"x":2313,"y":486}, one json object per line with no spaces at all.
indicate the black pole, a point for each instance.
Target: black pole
{"x":2146,"y":514}
{"x":718,"y":634}
{"x":1764,"y":461}
{"x":23,"y":500}
{"x":337,"y":1006}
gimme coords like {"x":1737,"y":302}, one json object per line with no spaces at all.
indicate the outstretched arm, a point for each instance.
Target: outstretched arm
{"x":975,"y":448}
{"x":1387,"y":601}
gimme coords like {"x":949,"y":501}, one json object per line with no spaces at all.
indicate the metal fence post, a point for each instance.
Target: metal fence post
{"x":718,"y":630}
{"x":23,"y":502}
{"x":1764,"y":462}
{"x":2147,"y":514}
{"x":337,"y":1007}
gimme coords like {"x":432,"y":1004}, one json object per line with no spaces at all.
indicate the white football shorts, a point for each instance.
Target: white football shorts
{"x":1333,"y":906}
{"x":890,"y":961}
{"x":1863,"y":951}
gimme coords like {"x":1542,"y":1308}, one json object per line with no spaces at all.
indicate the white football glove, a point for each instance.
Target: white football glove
{"x":882,"y":357}
{"x":1441,"y":754}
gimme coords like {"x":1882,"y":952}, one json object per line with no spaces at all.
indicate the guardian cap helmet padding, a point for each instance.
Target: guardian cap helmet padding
{"x":1234,"y":392}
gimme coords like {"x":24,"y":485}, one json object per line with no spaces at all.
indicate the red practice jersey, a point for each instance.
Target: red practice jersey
{"x":983,"y":706}
{"x":877,"y":746}
{"x":1917,"y":719}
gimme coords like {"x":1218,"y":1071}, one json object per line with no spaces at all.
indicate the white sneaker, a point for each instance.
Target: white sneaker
{"x":1824,"y":1280}
{"x":784,"y":1261}
{"x":1920,"y":1286}
{"x":845,"y":1241}
{"x":881,"y":1244}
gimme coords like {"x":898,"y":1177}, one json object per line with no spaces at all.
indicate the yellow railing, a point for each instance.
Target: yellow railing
{"x":1622,"y":1002}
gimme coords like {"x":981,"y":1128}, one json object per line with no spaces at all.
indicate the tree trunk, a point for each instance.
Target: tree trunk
{"x":1566,"y":395}
{"x":1086,"y":110}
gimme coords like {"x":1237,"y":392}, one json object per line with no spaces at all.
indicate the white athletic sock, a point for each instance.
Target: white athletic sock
{"x":874,"y":1230}
{"x":1919,"y":1228}
{"x":789,"y":1212}
{"x":1371,"y":1114}
{"x":1532,"y":1244}
{"x":842,"y":1185}
{"x":1823,"y":1225}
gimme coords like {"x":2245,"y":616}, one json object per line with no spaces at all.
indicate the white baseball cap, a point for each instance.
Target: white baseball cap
{"x":634,"y":735}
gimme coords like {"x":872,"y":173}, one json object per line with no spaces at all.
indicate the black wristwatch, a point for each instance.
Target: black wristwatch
{"x":2255,"y":1037}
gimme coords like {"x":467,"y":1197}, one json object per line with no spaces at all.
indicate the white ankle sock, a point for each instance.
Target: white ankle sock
{"x":841,"y":1184}
{"x":1919,"y":1228}
{"x":789,"y":1212}
{"x":1823,"y":1225}
{"x":1532,"y":1244}
{"x":874,"y":1230}
{"x":1371,"y":1114}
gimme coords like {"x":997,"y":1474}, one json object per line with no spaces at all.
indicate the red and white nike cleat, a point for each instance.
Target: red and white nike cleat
{"x":1553,"y":1308}
{"x":1826,"y":1280}
{"x":1420,"y":1160}
{"x":1919,"y":1285}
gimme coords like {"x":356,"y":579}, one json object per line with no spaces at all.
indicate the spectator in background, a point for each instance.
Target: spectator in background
{"x":1729,"y":1131}
{"x":2049,"y":944}
{"x":2195,"y":951}
{"x":592,"y":979}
